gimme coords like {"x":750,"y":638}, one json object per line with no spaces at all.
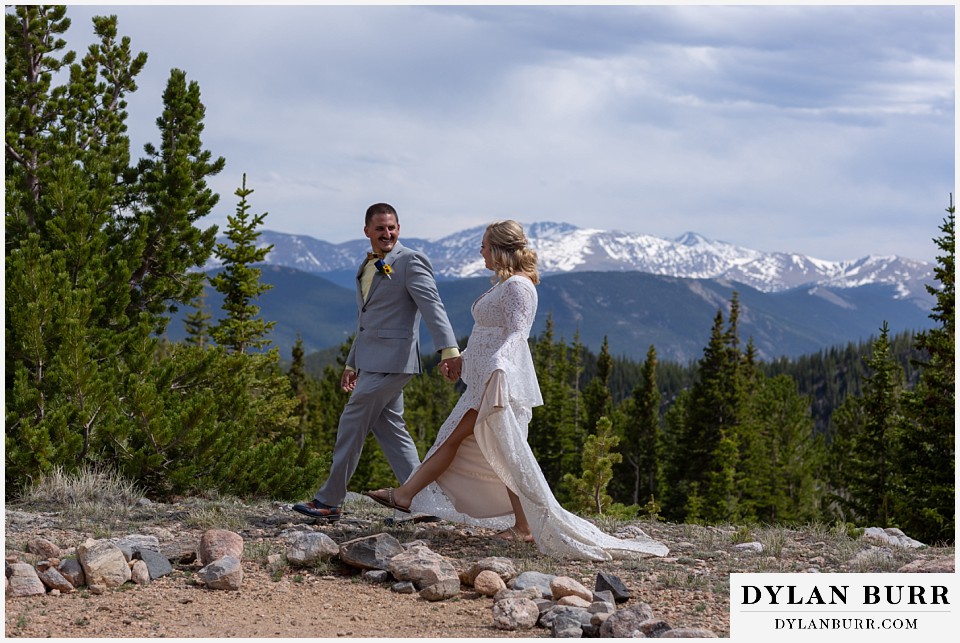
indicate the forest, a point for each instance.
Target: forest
{"x":102,"y":249}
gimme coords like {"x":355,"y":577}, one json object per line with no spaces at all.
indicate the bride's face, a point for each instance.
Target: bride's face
{"x":485,"y":251}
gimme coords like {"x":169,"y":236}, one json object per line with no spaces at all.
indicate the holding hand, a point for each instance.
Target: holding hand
{"x":348,"y":380}
{"x":450,"y":368}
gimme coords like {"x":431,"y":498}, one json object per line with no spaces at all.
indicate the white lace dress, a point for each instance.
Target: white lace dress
{"x":502,"y":386}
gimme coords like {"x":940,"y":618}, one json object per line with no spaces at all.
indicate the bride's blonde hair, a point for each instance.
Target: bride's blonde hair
{"x":509,"y":252}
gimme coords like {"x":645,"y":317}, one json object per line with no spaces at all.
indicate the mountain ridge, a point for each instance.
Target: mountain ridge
{"x":633,"y":309}
{"x":565,"y":248}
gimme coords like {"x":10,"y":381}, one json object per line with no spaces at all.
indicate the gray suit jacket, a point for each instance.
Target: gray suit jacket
{"x":387,"y":339}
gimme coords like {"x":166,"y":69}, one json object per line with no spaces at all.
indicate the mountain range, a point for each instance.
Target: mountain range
{"x":564,"y":248}
{"x":635,"y":290}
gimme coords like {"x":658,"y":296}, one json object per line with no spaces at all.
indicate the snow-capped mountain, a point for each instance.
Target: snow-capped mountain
{"x":564,"y":248}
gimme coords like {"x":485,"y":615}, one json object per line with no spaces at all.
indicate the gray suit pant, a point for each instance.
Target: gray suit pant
{"x":376,"y":404}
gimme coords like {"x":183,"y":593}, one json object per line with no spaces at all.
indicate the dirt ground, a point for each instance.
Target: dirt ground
{"x":689,"y":588}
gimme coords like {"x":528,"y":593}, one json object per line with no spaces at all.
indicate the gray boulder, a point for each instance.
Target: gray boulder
{"x":309,"y":548}
{"x":515,"y":614}
{"x":370,"y":552}
{"x":537,"y":580}
{"x":223,"y":573}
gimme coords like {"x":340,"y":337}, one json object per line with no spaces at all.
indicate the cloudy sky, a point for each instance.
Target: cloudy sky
{"x":823,"y":130}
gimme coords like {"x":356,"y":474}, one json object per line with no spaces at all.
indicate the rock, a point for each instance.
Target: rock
{"x":488,"y":583}
{"x":376,"y":576}
{"x":223,"y":573}
{"x":103,"y":563}
{"x":605,"y":596}
{"x":654,"y":629}
{"x":871,"y":559}
{"x":43,"y":548}
{"x":501,"y":566}
{"x":579,"y":614}
{"x":533,"y":593}
{"x":309,"y":548}
{"x":601,"y":611}
{"x":218,"y":543}
{"x":447,"y":588}
{"x":754,"y":546}
{"x":563,"y":586}
{"x":515,"y":614}
{"x":72,"y":570}
{"x":370,"y":552}
{"x":140,"y":573}
{"x":930,"y":566}
{"x":544,"y":605}
{"x":625,"y":622}
{"x":97,"y":589}
{"x":403,"y":587}
{"x":425,"y":568}
{"x":610,"y":583}
{"x":182,"y":551}
{"x":573,"y":601}
{"x":891,"y":536}
{"x":535,"y":579}
{"x":23,"y":580}
{"x":134,"y":543}
{"x":53,"y":579}
{"x":157,"y":564}
{"x":689,"y":633}
{"x":566,"y":627}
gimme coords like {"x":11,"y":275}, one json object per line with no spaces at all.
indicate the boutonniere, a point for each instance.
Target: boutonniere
{"x":383,"y":268}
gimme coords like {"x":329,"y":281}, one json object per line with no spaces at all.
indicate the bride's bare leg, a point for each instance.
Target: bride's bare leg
{"x":437,"y":463}
{"x":521,"y":528}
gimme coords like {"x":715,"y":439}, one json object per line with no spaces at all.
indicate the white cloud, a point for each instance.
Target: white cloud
{"x":822,"y":130}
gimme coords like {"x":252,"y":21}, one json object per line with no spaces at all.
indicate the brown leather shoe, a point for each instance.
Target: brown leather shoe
{"x":318,"y":510}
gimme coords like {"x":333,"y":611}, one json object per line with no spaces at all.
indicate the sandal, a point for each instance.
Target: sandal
{"x":510,"y":534}
{"x":388,"y":502}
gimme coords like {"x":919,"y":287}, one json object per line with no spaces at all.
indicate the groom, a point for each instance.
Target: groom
{"x":395,"y":288}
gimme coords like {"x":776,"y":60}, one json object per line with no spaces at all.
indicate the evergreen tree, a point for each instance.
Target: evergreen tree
{"x":642,"y":442}
{"x":865,"y":437}
{"x":552,"y":431}
{"x":597,"y":400}
{"x":782,"y":457}
{"x":299,"y":382}
{"x":198,"y":322}
{"x":926,"y":444}
{"x":599,"y":456}
{"x":173,"y":196}
{"x":239,"y":281}
{"x":75,"y":221}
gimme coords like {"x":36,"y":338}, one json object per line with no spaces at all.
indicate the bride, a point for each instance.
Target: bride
{"x":480,"y":470}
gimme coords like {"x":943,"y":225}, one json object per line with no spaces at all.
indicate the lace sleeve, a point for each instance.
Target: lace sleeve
{"x":519,"y":305}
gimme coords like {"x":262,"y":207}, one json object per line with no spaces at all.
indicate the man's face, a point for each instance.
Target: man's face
{"x":383,"y":232}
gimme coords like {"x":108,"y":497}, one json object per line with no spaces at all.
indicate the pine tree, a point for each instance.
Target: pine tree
{"x":642,"y":442}
{"x":240,"y":330}
{"x":707,"y":449}
{"x":597,"y":400}
{"x":599,"y":456}
{"x":782,"y":457}
{"x":71,"y":332}
{"x":926,"y":444}
{"x":198,"y":322}
{"x":299,"y":382}
{"x":174,"y":196}
{"x":552,"y":430}
{"x":865,"y":436}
